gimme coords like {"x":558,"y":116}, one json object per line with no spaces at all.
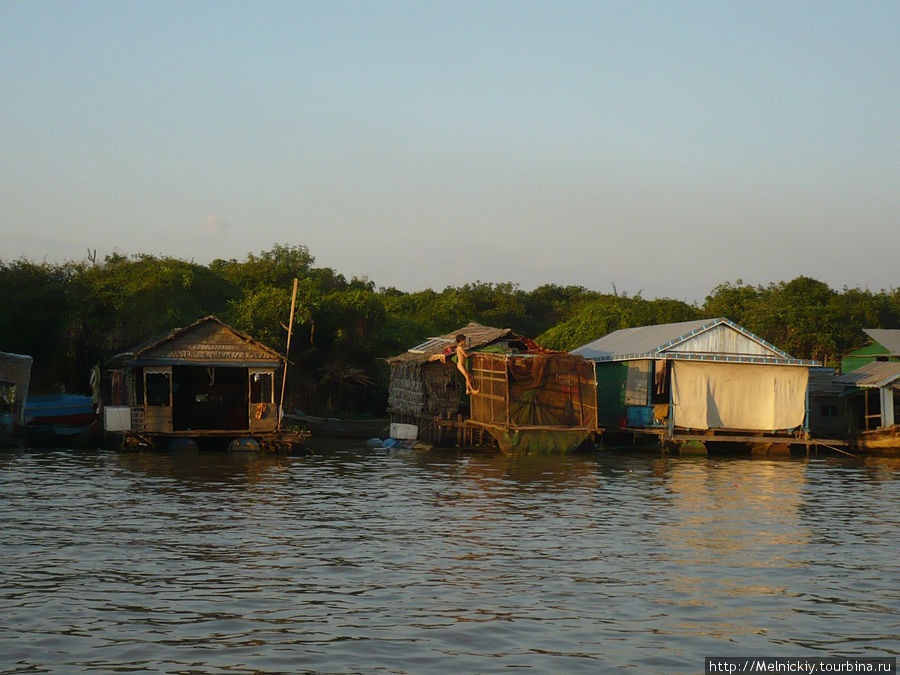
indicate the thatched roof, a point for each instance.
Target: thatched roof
{"x":477,"y":336}
{"x":206,"y":341}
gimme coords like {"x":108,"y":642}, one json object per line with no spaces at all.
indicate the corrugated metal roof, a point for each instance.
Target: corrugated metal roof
{"x":821,"y":382}
{"x":476,"y":336}
{"x":875,"y":374}
{"x":886,"y":337}
{"x":659,"y":341}
{"x":641,"y":340}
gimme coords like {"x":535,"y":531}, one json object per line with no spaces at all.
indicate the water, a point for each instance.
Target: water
{"x":355,"y":560}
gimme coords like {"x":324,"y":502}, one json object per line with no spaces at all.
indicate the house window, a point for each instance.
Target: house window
{"x":260,"y":387}
{"x":637,"y":383}
{"x":158,"y":388}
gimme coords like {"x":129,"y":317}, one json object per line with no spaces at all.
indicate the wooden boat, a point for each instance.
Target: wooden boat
{"x":885,"y":440}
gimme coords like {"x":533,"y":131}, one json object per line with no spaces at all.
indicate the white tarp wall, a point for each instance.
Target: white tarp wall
{"x":709,"y":395}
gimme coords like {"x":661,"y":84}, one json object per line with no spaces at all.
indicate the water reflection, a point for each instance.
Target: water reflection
{"x":205,"y":469}
{"x":351,"y":559}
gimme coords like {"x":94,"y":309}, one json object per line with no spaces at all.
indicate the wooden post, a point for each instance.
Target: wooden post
{"x":866,"y":409}
{"x":287,"y":353}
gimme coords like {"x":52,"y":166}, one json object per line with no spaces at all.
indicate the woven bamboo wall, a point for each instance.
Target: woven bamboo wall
{"x":423,"y":389}
{"x":545,"y":390}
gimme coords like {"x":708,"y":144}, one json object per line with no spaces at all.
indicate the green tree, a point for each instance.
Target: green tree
{"x":125,"y":301}
{"x":32,"y":321}
{"x":609,"y":313}
{"x":549,"y":304}
{"x":735,"y":301}
{"x":276,"y":268}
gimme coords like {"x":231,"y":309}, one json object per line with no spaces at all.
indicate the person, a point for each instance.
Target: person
{"x":461,"y":357}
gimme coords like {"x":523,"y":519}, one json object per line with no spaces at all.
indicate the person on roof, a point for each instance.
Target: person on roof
{"x":461,"y":357}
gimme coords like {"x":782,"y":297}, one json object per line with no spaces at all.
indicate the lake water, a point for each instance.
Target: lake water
{"x":357,"y":560}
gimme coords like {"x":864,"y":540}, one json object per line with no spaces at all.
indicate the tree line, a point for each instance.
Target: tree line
{"x":71,"y":316}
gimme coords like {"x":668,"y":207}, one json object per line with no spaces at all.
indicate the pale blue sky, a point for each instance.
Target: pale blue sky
{"x":658,"y":146}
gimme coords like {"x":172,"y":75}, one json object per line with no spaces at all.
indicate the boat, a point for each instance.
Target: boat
{"x":883,"y":441}
{"x":52,"y":418}
{"x":61,"y":409}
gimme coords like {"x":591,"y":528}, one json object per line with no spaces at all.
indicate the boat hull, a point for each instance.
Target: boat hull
{"x":881,"y":441}
{"x":63,"y":409}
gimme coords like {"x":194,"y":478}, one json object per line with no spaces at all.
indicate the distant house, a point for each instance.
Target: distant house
{"x":884,"y":345}
{"x":872,"y":392}
{"x":706,"y":377}
{"x":422,"y":389}
{"x":206,"y":380}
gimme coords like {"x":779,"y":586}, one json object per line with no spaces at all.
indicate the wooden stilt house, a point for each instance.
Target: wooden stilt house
{"x":707,"y":380}
{"x":423,"y":390}
{"x":204,"y":382}
{"x":534,"y":400}
{"x":872,"y":392}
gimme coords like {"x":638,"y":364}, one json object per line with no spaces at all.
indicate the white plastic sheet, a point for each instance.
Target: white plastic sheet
{"x":710,"y":395}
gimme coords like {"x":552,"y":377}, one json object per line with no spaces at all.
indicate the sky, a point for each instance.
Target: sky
{"x":654,"y":147}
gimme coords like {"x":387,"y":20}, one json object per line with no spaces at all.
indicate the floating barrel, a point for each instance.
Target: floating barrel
{"x":182,"y":445}
{"x":243,"y":445}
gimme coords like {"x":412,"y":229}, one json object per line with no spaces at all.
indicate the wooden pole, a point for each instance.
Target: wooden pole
{"x":287,"y":352}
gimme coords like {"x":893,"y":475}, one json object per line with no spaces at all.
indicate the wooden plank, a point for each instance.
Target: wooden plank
{"x":790,"y":440}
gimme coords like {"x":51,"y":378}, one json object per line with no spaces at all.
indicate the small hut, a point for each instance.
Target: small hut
{"x":872,"y":392}
{"x":15,"y":375}
{"x":422,"y":390}
{"x":204,"y":381}
{"x":535,"y":400}
{"x":698,"y":380}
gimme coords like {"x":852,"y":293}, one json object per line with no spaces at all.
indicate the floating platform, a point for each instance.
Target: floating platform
{"x":280,"y":442}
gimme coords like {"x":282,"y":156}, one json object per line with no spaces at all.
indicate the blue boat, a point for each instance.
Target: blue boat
{"x":60,"y":409}
{"x":56,"y":418}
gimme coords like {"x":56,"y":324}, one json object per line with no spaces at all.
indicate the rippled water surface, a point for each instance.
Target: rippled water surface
{"x":356,"y":560}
